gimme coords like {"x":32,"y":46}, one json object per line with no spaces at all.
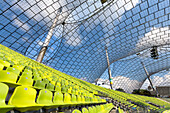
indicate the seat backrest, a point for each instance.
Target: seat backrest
{"x":45,"y":97}
{"x":24,"y":80}
{"x":85,"y":110}
{"x":19,"y":67}
{"x":5,"y":63}
{"x":39,"y":84}
{"x":91,"y":110}
{"x":14,"y":70}
{"x":58,"y":97}
{"x":45,"y":80}
{"x":79,"y":98}
{"x":67,"y":98}
{"x":57,"y":88}
{"x":102,"y":107}
{"x":1,"y":66}
{"x":3,"y":93}
{"x":82,"y":98}
{"x":50,"y":87}
{"x":27,"y":74}
{"x":94,"y":109}
{"x":23,"y":95}
{"x":73,"y":98}
{"x":6,"y":76}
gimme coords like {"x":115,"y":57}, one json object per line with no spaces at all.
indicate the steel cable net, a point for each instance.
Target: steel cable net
{"x":82,"y":31}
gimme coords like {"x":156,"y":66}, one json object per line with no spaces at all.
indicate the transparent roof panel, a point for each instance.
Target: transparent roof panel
{"x":84,"y":28}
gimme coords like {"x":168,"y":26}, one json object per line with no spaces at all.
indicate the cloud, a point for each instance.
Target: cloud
{"x":20,"y":24}
{"x":155,"y":37}
{"x":123,"y":82}
{"x":73,"y":38}
{"x":40,"y":43}
{"x":158,"y":81}
{"x":84,"y":78}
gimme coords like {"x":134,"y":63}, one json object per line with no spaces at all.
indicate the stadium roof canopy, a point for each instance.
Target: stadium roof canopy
{"x":84,"y":28}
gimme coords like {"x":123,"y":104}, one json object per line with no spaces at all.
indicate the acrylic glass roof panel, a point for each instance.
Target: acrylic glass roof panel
{"x":84,"y":28}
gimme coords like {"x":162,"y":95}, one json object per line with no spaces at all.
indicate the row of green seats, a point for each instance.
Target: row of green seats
{"x":104,"y":108}
{"x":23,"y":99}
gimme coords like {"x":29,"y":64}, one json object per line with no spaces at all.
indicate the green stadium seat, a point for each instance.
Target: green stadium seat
{"x":76,"y":111}
{"x":73,"y":98}
{"x":94,"y":109}
{"x":64,"y":89}
{"x":1,"y":66}
{"x":58,"y":98}
{"x":36,"y":77}
{"x":23,"y":98}
{"x":45,"y":80}
{"x":3,"y":94}
{"x":24,"y":80}
{"x":120,"y":110}
{"x":85,"y":110}
{"x":79,"y":99}
{"x":57,"y":88}
{"x":67,"y":98}
{"x":19,"y":67}
{"x":5,"y":63}
{"x":27,"y":74}
{"x":39,"y":84}
{"x":45,"y":97}
{"x":50,"y":87}
{"x":11,"y":62}
{"x":91,"y":110}
{"x":14,"y":70}
{"x":8,"y":77}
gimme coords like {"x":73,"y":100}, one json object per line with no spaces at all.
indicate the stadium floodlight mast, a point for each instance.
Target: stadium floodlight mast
{"x":48,"y":38}
{"x":109,"y":71}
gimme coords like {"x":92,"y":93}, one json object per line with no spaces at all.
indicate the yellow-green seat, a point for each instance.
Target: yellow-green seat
{"x":19,"y":67}
{"x":102,"y":107}
{"x":36,"y":77}
{"x":45,"y":97}
{"x":27,"y":74}
{"x":14,"y":70}
{"x":76,"y":111}
{"x":11,"y":62}
{"x":91,"y":110}
{"x":8,"y":77}
{"x":94,"y":109}
{"x":1,"y":66}
{"x":39,"y":84}
{"x":85,"y":110}
{"x":79,"y":100}
{"x":24,"y":80}
{"x":3,"y":93}
{"x":45,"y":80}
{"x":50,"y":87}
{"x":5,"y":63}
{"x":23,"y":98}
{"x":67,"y":98}
{"x":58,"y":98}
{"x":57,"y":88}
{"x":73,"y":98}
{"x":120,"y":110}
{"x":83,"y":99}
{"x":64,"y":89}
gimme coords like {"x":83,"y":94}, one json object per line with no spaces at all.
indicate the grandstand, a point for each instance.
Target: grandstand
{"x":53,"y":53}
